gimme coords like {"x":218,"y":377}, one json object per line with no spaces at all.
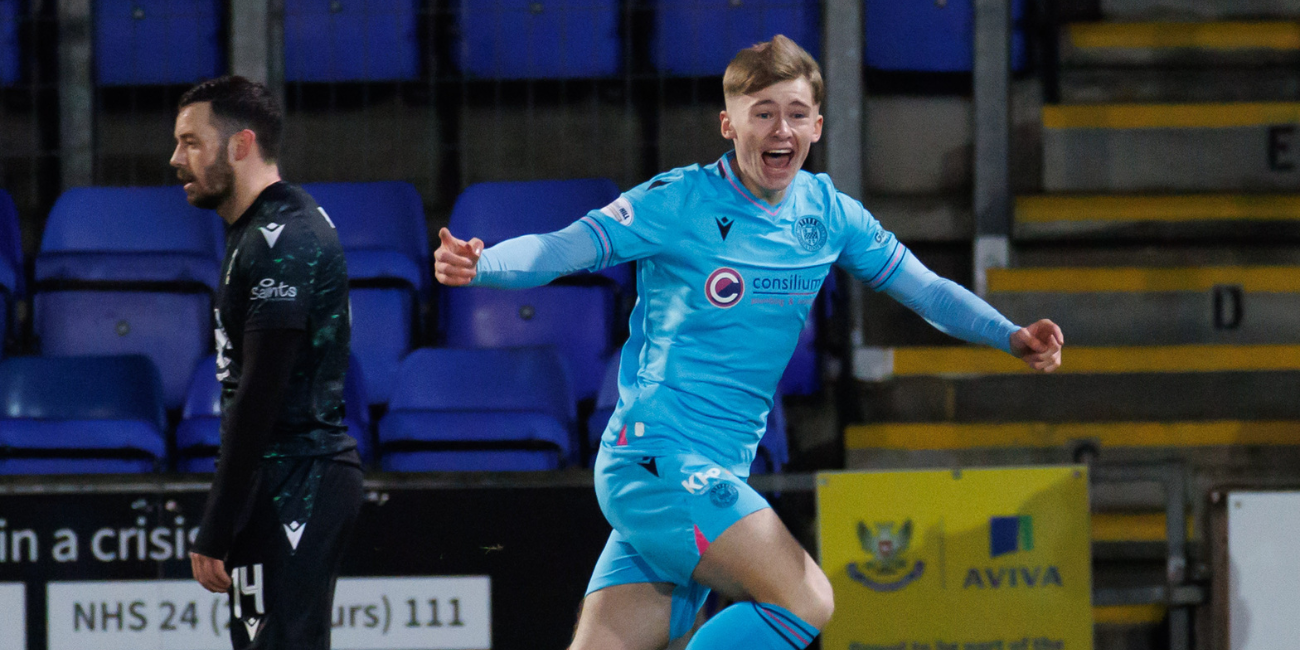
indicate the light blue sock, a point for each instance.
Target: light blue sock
{"x":753,"y":626}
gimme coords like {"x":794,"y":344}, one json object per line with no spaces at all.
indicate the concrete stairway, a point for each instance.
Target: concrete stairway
{"x":1165,"y":239}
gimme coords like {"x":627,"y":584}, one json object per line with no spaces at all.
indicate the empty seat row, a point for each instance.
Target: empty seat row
{"x":454,"y":410}
{"x":142,"y":42}
{"x":81,"y":415}
{"x":133,"y":270}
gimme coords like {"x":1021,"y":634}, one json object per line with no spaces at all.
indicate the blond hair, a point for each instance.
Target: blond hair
{"x":765,"y":64}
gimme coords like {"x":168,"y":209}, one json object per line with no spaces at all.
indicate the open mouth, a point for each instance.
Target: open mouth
{"x":779,"y":158}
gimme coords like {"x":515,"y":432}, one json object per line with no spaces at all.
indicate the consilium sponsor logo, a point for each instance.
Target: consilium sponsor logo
{"x":792,"y":283}
{"x":724,"y":288}
{"x":268,"y":289}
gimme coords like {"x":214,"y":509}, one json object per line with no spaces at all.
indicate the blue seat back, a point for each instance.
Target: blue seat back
{"x":386,"y":239}
{"x":698,"y":38}
{"x":522,"y":380}
{"x":383,"y":332}
{"x":9,"y":43}
{"x":497,"y":211}
{"x":50,"y":406}
{"x":153,"y":42}
{"x":385,"y":217}
{"x":538,"y":39}
{"x":129,"y":270}
{"x":172,"y":329}
{"x":82,"y":388}
{"x":203,"y":397}
{"x":576,"y":321}
{"x":351,"y":40}
{"x":930,"y":36}
{"x":132,"y":220}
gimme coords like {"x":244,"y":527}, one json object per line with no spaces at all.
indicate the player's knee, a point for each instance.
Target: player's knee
{"x":811,"y":599}
{"x":820,"y":600}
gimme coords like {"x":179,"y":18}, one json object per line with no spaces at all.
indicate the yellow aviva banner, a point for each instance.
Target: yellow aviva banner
{"x":987,"y":559}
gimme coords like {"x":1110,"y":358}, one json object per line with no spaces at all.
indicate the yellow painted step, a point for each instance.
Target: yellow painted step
{"x":1270,"y":279}
{"x":1245,"y":35}
{"x":1171,"y":116}
{"x":967,"y":361}
{"x":1128,"y":614}
{"x":1184,"y":208}
{"x":946,"y":436}
{"x":1133,"y":527}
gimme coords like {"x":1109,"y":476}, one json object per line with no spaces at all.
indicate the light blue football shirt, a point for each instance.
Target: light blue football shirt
{"x":725,"y":282}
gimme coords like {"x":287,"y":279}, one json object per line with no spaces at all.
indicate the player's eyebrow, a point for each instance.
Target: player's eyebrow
{"x":772,"y":102}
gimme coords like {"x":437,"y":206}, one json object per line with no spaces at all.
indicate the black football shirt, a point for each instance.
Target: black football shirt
{"x":284,"y":269}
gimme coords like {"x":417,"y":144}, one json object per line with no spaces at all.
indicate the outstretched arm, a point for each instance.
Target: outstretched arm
{"x":519,"y":263}
{"x":953,"y":310}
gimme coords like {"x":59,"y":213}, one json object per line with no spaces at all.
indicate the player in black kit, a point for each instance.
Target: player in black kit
{"x":288,"y":484}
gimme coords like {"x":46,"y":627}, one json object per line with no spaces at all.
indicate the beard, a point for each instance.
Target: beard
{"x":218,"y":186}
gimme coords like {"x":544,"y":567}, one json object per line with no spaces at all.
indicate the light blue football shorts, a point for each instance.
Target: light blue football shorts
{"x":665,"y":511}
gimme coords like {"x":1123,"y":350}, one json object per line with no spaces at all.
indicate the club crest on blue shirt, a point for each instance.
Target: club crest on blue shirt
{"x":723,"y":494}
{"x":811,"y":233}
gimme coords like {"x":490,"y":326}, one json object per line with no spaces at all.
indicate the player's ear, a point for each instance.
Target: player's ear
{"x":242,"y":144}
{"x":817,"y":128}
{"x":728,"y":129}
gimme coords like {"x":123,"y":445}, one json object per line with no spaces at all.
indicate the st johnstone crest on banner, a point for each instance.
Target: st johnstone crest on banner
{"x":888,"y":568}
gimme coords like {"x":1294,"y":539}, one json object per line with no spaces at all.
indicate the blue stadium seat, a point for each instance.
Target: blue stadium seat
{"x":698,"y":38}
{"x":80,"y":415}
{"x":153,"y":42}
{"x":384,"y":235}
{"x":576,"y":316}
{"x":495,"y":212}
{"x":198,"y":436}
{"x":9,"y":44}
{"x":930,"y":36}
{"x":576,"y":321}
{"x":479,"y":410}
{"x":539,"y":39}
{"x":129,"y":271}
{"x":351,"y":40}
{"x":774,"y":449}
{"x":11,"y":264}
